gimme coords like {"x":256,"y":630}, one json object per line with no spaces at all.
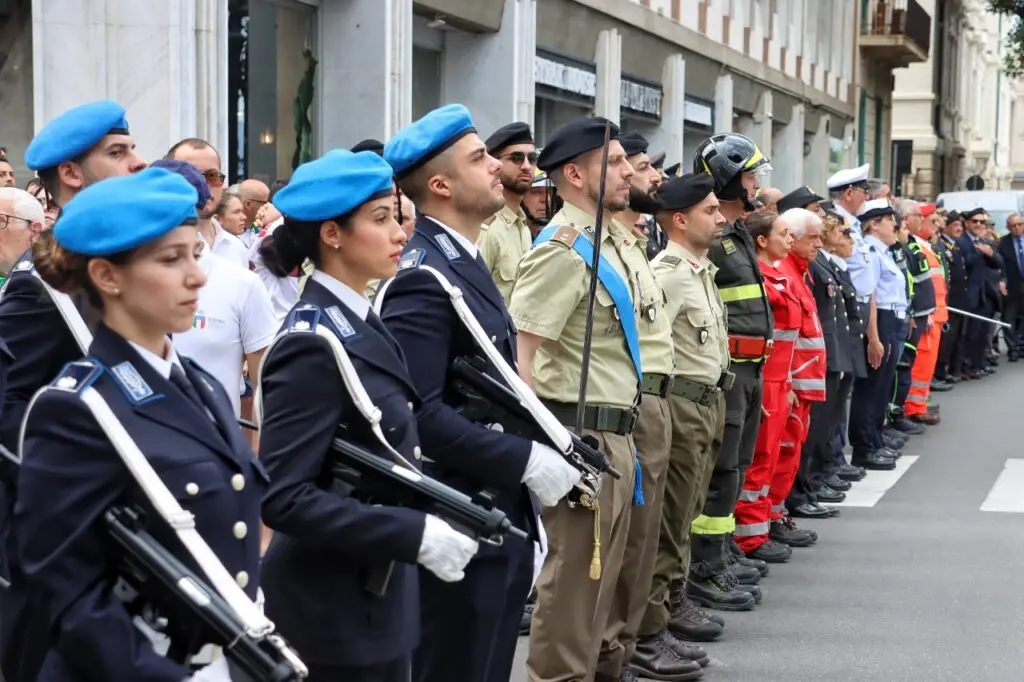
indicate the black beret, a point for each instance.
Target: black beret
{"x":633,"y":143}
{"x":973,"y":212}
{"x":657,"y":161}
{"x":679,"y":194}
{"x":508,"y":135}
{"x":370,"y":145}
{"x":801,"y":197}
{"x":827,"y":206}
{"x":673,"y":170}
{"x":578,"y":136}
{"x":953,"y":217}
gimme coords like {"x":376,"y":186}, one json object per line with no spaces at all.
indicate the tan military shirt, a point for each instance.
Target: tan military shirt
{"x":504,"y":240}
{"x":550,"y":300}
{"x":695,"y":309}
{"x":654,"y":326}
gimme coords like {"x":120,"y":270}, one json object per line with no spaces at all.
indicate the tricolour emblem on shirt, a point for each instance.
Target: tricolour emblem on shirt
{"x":199,"y":320}
{"x":131,"y":382}
{"x":446,"y":245}
{"x":341,"y":322}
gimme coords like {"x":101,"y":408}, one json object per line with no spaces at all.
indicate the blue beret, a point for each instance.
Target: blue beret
{"x":331,"y":186}
{"x":122,"y":213}
{"x":190,"y":173}
{"x":418,"y":143}
{"x":75,"y":132}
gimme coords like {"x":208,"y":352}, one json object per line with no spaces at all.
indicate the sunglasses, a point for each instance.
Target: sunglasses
{"x":519,"y":157}
{"x":214,"y":178}
{"x":848,"y":232}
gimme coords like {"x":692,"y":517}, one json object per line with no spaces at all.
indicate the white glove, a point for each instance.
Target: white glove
{"x":445,"y":551}
{"x":548,"y":475}
{"x":214,"y":672}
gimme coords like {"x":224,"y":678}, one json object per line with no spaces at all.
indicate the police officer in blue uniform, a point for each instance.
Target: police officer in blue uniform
{"x":340,"y":574}
{"x":470,"y":627}
{"x":129,"y":244}
{"x":81,"y":146}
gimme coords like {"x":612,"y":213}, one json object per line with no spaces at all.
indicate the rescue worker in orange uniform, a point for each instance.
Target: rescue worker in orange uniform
{"x":921,"y":374}
{"x":753,"y":510}
{"x":807,"y":374}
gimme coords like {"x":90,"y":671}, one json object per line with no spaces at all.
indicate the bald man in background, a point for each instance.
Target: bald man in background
{"x":769,"y":198}
{"x":253,"y":194}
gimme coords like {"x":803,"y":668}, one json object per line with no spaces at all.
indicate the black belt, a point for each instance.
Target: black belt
{"x":657,"y":384}
{"x":596,"y":417}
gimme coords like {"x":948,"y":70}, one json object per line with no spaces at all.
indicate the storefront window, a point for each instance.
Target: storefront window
{"x":16,"y":108}
{"x":271,"y":65}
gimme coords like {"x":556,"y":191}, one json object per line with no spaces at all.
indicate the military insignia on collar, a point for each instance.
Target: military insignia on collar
{"x":446,"y":245}
{"x":303,"y":319}
{"x":341,"y":322}
{"x":412,"y":259}
{"x":729,"y":246}
{"x":131,"y":382}
{"x":77,"y":376}
{"x":671,"y":260}
{"x":23,"y":266}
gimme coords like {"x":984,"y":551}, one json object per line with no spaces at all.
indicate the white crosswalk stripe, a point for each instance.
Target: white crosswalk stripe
{"x":1007,"y":494}
{"x":873,"y":487}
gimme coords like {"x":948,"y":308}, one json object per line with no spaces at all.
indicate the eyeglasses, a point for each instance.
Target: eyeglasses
{"x":214,"y":178}
{"x":519,"y":157}
{"x":848,"y":232}
{"x":978,"y":221}
{"x":6,"y":218}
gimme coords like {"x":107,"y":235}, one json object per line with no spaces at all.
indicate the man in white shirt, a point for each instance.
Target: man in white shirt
{"x":283,"y":291}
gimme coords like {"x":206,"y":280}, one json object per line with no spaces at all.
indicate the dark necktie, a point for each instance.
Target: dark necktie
{"x":179,"y":379}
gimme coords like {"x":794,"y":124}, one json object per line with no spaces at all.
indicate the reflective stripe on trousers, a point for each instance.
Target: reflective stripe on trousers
{"x":751,"y":530}
{"x":754,"y":495}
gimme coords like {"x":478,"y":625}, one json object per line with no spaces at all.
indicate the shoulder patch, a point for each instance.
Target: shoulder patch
{"x":303,"y":318}
{"x":566,"y":234}
{"x":412,"y":259}
{"x":75,"y":377}
{"x":340,"y":322}
{"x":131,"y":382}
{"x":671,"y":260}
{"x":729,"y":246}
{"x":24,"y":266}
{"x":450,"y":252}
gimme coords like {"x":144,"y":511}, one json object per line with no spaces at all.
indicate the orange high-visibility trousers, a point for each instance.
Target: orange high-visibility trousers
{"x":922,"y":371}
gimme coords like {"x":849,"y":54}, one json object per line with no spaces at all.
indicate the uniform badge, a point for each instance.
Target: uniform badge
{"x":199,"y":320}
{"x":651,"y":313}
{"x":131,"y":382}
{"x":671,"y":260}
{"x":446,"y":245}
{"x":342,"y":324}
{"x":702,"y":336}
{"x":729,"y":245}
{"x":831,"y":290}
{"x":411,"y":259}
{"x":77,"y":376}
{"x":303,"y":319}
{"x":23,"y":266}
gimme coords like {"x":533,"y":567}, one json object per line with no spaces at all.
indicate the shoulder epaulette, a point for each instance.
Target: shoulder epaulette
{"x":566,"y":234}
{"x":303,"y":318}
{"x":23,"y":266}
{"x":77,"y":376}
{"x":671,"y":260}
{"x":412,"y":259}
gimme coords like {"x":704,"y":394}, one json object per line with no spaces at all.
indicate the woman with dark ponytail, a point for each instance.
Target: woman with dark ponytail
{"x":130,"y":244}
{"x":340,"y":573}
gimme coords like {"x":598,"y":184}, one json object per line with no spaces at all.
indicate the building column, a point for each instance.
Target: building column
{"x":759,"y":128}
{"x":494,"y":71}
{"x":609,"y":74}
{"x":816,"y":164}
{"x":723,"y":104}
{"x":788,"y":163}
{"x":365,"y":73}
{"x":669,"y":138}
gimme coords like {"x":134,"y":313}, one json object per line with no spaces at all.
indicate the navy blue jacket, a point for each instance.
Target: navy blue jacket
{"x":419,"y":314}
{"x":1011,"y":268}
{"x":327,"y":543}
{"x":977,"y":265}
{"x":63,"y":563}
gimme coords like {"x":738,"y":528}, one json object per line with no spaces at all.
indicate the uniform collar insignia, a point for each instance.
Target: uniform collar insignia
{"x":411,"y":259}
{"x":23,"y":265}
{"x":446,"y":245}
{"x":131,"y":382}
{"x":77,"y":376}
{"x":340,"y":322}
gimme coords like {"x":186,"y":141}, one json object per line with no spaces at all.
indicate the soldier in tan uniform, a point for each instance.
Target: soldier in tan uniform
{"x":691,"y":218}
{"x":549,"y":306}
{"x":505,"y":236}
{"x":652,"y":435}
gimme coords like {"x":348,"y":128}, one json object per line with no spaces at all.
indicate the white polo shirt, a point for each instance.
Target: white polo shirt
{"x":229,"y":247}
{"x":284,"y":291}
{"x":234,"y":317}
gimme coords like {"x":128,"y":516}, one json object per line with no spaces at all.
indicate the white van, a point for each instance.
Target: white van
{"x":999,"y":204}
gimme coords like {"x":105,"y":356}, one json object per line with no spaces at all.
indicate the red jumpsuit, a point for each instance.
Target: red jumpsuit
{"x":807,"y":381}
{"x":753,"y":510}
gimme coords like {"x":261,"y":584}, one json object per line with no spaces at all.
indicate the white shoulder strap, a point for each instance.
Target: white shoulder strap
{"x":181,"y":521}
{"x":558,"y":434}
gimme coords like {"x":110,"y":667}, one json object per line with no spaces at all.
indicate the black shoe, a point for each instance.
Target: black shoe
{"x":837,"y":483}
{"x":655,"y":659}
{"x":745,"y":575}
{"x":758,"y":565}
{"x":772,"y":552}
{"x":889,"y":453}
{"x":892,"y":434}
{"x":874,"y":461}
{"x":717,"y":592}
{"x":526,"y":619}
{"x":926,"y":419}
{"x":810,"y":511}
{"x":790,"y":534}
{"x":687,"y":620}
{"x":893,"y":443}
{"x":906,"y":426}
{"x":752,"y":590}
{"x":791,"y":524}
{"x":940,"y":386}
{"x":1012,"y":357}
{"x":694,"y":652}
{"x":826,"y":494}
{"x":848,"y":472}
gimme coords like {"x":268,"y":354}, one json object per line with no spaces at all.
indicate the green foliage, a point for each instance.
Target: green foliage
{"x":1014,"y":38}
{"x":300,"y":112}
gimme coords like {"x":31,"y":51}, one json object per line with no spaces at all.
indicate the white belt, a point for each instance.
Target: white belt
{"x":897,"y":309}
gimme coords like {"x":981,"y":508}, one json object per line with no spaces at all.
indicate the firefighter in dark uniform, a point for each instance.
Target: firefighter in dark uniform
{"x":130,"y":245}
{"x":951,"y":346}
{"x":733,"y":161}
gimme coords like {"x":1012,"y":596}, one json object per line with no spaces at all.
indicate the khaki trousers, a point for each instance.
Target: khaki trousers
{"x":652,"y":437}
{"x":696,"y":438}
{"x":572,"y":609}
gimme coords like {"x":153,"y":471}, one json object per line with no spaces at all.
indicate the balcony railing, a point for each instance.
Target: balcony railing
{"x":902,"y":26}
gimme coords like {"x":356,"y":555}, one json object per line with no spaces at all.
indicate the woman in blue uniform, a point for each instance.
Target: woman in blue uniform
{"x":340,"y":575}
{"x":130,"y":245}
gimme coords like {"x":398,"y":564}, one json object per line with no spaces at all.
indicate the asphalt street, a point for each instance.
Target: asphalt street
{"x":917,"y":583}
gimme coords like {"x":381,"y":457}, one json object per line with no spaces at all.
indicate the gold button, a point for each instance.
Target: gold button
{"x":240,"y":530}
{"x":238,"y":482}
{"x":410,"y":406}
{"x":417,"y":452}
{"x":242,"y":579}
{"x":192,"y":489}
